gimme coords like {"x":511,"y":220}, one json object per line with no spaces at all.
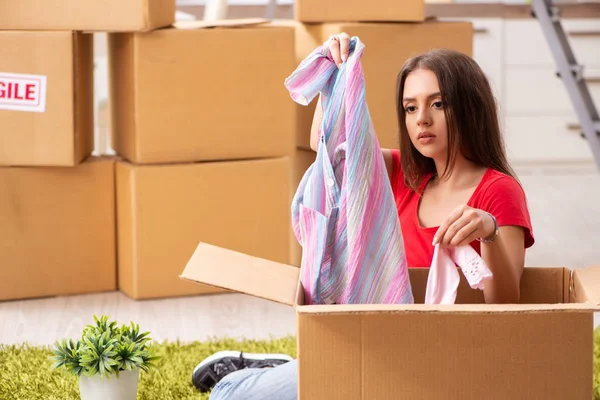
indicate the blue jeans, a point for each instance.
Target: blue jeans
{"x":279,"y":383}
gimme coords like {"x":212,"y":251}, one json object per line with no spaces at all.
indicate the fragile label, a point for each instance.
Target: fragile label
{"x":21,"y":92}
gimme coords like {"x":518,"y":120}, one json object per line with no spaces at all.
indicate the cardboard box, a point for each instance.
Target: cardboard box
{"x":163,"y":209}
{"x":57,"y":230}
{"x":46,"y":98}
{"x":90,"y":15}
{"x":540,"y":349}
{"x":303,"y":159}
{"x":185,"y":94}
{"x":359,"y":10}
{"x":387,"y":47}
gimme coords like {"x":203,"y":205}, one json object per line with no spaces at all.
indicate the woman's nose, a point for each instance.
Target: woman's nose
{"x":423,"y":118}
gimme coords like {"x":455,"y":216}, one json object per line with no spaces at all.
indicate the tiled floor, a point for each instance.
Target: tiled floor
{"x":565,"y":208}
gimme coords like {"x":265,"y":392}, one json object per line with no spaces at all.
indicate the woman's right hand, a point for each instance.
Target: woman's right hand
{"x":338,"y":47}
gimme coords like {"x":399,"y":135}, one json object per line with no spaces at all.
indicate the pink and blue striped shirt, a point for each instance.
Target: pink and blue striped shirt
{"x":343,"y":213}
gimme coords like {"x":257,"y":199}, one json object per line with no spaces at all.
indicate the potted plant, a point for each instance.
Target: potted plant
{"x":107,"y":359}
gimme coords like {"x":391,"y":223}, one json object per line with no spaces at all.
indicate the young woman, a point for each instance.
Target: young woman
{"x":452,"y":185}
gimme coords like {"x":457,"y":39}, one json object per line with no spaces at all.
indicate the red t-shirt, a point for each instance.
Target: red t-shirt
{"x":497,"y":193}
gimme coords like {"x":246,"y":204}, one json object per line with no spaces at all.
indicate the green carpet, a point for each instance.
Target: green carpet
{"x":25,"y":372}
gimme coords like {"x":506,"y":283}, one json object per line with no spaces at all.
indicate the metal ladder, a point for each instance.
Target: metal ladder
{"x":570,"y":72}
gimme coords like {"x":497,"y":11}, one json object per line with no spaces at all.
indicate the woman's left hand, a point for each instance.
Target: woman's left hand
{"x":464,"y":225}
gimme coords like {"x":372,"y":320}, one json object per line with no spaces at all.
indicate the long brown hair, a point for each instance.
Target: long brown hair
{"x":471,"y":116}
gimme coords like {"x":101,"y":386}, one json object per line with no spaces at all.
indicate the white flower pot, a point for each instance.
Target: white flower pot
{"x":97,"y":388}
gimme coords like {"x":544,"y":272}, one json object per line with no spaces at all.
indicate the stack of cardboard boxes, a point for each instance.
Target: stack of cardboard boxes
{"x":210,"y":146}
{"x":204,"y":124}
{"x":391,"y":34}
{"x":57,"y":202}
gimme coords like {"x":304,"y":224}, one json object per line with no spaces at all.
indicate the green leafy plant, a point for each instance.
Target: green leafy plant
{"x":105,"y":349}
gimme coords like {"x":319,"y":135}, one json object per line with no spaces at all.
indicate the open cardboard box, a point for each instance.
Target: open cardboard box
{"x":539,"y":349}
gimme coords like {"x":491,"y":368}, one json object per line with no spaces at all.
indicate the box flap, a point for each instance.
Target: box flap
{"x":585,"y":286}
{"x":432,"y":308}
{"x":242,"y":273}
{"x":223,"y":23}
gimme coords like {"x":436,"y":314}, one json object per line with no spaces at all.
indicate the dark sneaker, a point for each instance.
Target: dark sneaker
{"x":214,"y":368}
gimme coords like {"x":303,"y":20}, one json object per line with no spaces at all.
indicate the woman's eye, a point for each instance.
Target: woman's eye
{"x":438,"y":104}
{"x":410,"y":109}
